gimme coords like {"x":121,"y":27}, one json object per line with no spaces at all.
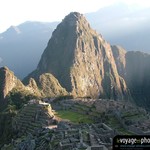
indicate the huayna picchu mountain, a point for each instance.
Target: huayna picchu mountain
{"x":81,"y":60}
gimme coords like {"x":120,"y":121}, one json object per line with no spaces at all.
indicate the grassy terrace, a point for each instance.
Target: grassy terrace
{"x":114,"y":123}
{"x":73,"y":116}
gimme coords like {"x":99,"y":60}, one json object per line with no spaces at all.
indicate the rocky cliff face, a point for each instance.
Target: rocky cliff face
{"x":10,"y":84}
{"x":50,"y":86}
{"x":119,"y":55}
{"x":81,"y":60}
{"x":46,"y":86}
{"x":7,"y":82}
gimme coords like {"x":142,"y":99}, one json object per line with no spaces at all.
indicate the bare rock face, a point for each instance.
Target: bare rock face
{"x":119,"y":55}
{"x":44,"y":85}
{"x":50,"y":86}
{"x":7,"y":82}
{"x":33,"y":88}
{"x":82,"y":60}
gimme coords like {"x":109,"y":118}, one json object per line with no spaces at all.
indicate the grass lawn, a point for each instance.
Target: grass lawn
{"x":74,"y":117}
{"x":113,"y":122}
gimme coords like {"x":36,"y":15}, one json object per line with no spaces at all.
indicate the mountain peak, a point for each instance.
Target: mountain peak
{"x":5,"y":68}
{"x":14,"y":29}
{"x":73,"y":16}
{"x":73,"y":52}
{"x":7,"y":81}
{"x":75,"y":19}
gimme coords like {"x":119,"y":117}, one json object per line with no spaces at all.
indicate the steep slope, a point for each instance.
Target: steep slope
{"x":134,"y":67}
{"x":13,"y":93}
{"x":138,"y":76}
{"x":7,"y":82}
{"x":119,"y":56}
{"x":47,"y":86}
{"x":81,"y":60}
{"x":46,"y":83}
{"x":50,"y":86}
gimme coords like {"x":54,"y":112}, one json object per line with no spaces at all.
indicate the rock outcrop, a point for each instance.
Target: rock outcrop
{"x":46,"y":85}
{"x":119,"y":56}
{"x":81,"y":60}
{"x":50,"y":86}
{"x":33,"y":87}
{"x":7,"y":82}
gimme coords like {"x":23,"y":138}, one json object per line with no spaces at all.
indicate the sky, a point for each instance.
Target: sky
{"x":15,"y":12}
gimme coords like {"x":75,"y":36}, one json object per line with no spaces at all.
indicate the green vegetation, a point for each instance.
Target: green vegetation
{"x":125,"y":132}
{"x":8,"y":147}
{"x":113,"y":122}
{"x":73,"y":116}
{"x":18,"y":98}
{"x":63,"y":97}
{"x":15,"y":101}
{"x":6,"y":125}
{"x":133,"y":116}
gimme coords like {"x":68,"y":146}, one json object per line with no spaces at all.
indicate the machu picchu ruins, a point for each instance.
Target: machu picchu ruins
{"x":38,"y":125}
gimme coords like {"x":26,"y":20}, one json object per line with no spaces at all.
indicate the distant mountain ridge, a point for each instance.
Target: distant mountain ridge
{"x":73,"y":52}
{"x":25,"y":43}
{"x":118,"y":23}
{"x":123,"y":25}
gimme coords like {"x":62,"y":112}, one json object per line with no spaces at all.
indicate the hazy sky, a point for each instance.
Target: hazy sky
{"x":14,"y":12}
